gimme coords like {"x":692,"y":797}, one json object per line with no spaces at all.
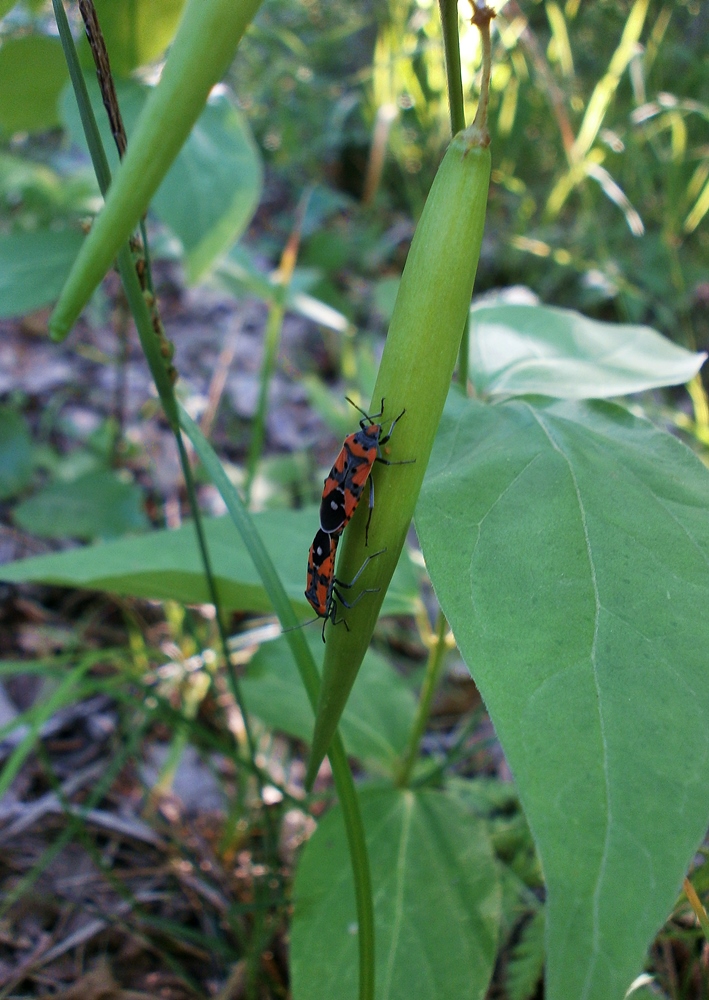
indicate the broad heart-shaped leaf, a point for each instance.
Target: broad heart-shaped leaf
{"x":33,"y":268}
{"x":212,"y":189}
{"x":568,"y":545}
{"x":32,"y":75}
{"x":521,"y":349}
{"x":165,"y":565}
{"x":96,"y":505}
{"x":436,"y":902}
{"x":375,"y":723}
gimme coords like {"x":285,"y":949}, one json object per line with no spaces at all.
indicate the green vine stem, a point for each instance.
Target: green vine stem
{"x":145,"y":320}
{"x":141,"y":314}
{"x":456,"y":107}
{"x":311,"y":682}
{"x":434,"y":667}
{"x":451,"y":47}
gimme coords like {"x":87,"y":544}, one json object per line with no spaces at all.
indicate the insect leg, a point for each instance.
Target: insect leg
{"x":371,"y":510}
{"x":394,"y":422}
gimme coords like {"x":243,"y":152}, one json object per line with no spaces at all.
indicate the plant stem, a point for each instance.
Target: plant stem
{"x":151,"y":346}
{"x":146,"y":327}
{"x":311,"y":682}
{"x":451,"y":46}
{"x":434,"y":666}
{"x":481,"y":18}
{"x":456,"y":107}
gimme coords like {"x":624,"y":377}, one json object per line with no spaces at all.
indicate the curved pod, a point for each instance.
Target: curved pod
{"x":419,"y":357}
{"x":208,"y":36}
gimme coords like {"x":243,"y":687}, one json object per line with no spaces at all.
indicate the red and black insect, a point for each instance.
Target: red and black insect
{"x":351,"y":470}
{"x":323,"y":586}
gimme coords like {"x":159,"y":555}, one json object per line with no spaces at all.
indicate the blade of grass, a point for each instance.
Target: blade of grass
{"x":596,"y":109}
{"x":157,"y":350}
{"x":272,"y":583}
{"x":112,"y":771}
{"x":311,"y":682}
{"x":436,"y":660}
{"x":557,"y":23}
{"x":150,"y":344}
{"x":35,"y":718}
{"x":698,"y":907}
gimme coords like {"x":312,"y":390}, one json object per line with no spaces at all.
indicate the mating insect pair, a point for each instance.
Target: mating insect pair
{"x":342,"y":492}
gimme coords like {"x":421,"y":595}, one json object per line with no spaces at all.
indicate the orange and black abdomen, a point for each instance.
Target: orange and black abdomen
{"x":321,"y":572}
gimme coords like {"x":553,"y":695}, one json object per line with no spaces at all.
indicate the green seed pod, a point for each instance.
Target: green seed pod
{"x":415,"y":374}
{"x":209,"y":33}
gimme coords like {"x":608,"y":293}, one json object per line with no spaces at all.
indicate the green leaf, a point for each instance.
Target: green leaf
{"x":166,"y":565}
{"x":32,"y":75}
{"x":96,"y":505}
{"x":15,"y":453}
{"x":517,"y":349}
{"x":136,"y":32}
{"x":526,"y":962}
{"x":39,"y":196}
{"x":33,"y":268}
{"x":436,"y":907}
{"x":375,"y":724}
{"x":568,"y":545}
{"x":212,"y":189}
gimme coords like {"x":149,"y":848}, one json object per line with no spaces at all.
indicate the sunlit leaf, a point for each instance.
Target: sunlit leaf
{"x":519,"y":349}
{"x":32,"y":75}
{"x":568,"y":545}
{"x":166,"y":565}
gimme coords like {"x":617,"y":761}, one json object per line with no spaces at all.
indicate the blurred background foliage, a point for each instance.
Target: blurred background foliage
{"x":600,"y":117}
{"x":600,"y":137}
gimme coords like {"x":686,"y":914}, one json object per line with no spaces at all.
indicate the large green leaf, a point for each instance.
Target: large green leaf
{"x":166,"y":565}
{"x":136,"y":31}
{"x":96,"y":505}
{"x":33,"y":268}
{"x":32,"y":75}
{"x":212,"y":189}
{"x":15,"y":453}
{"x":518,"y":349}
{"x":375,"y":724}
{"x":568,"y":545}
{"x":436,"y":905}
